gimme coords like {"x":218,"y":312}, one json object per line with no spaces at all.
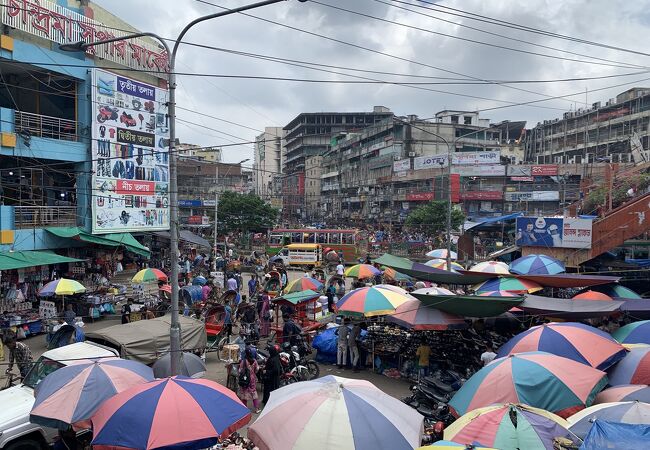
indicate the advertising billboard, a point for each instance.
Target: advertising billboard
{"x":130,"y":182}
{"x":429,"y":162}
{"x":532,"y":196}
{"x":562,"y":232}
{"x":419,"y":196}
{"x":402,"y":165}
{"x":485,"y":170}
{"x":486,"y":157}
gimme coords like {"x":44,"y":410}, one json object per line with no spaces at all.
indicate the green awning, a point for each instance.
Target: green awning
{"x":296,"y":298}
{"x":110,"y":240}
{"x":469,"y":305}
{"x":19,"y":260}
{"x":426,"y":273}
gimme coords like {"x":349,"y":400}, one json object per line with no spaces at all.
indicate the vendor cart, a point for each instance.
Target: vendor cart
{"x":214,"y":317}
{"x":304,"y":305}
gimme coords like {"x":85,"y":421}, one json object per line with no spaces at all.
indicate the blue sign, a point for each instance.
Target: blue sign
{"x":136,"y":89}
{"x":190,"y":203}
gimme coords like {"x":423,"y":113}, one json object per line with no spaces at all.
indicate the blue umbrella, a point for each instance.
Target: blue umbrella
{"x":537,"y":265}
{"x":199,"y":281}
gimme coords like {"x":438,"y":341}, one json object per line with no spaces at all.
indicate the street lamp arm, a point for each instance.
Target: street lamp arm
{"x":82,"y":46}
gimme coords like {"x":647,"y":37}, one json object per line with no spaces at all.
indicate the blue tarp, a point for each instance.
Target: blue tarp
{"x":605,"y":435}
{"x":491,"y":220}
{"x":325,"y":344}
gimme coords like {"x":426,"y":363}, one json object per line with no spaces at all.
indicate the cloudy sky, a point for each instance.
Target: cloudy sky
{"x":432,"y":45}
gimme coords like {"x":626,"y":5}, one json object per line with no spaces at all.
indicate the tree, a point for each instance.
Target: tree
{"x":431,"y":219}
{"x":244,"y":212}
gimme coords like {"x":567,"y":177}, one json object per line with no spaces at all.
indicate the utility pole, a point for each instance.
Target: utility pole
{"x":216,"y":213}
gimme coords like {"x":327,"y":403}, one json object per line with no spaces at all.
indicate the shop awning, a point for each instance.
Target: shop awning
{"x":110,"y":240}
{"x":187,"y":236}
{"x":469,"y":305}
{"x":19,"y":260}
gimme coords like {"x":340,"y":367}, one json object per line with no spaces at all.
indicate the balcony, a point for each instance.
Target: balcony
{"x":30,"y":124}
{"x":44,"y":216}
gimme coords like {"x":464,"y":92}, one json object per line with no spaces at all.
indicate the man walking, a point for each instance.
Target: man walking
{"x":20,"y":354}
{"x":353,"y":345}
{"x":343,"y":333}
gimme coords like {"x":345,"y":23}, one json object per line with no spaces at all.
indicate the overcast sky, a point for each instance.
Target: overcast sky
{"x":260,"y":103}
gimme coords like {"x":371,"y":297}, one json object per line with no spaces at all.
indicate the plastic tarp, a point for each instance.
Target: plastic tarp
{"x":567,"y":308}
{"x":469,"y":305}
{"x":492,"y":220}
{"x":605,"y":435}
{"x":426,"y":273}
{"x":147,"y":340}
{"x":567,"y":280}
{"x":325,"y":345}
{"x":187,"y":236}
{"x":110,"y":240}
{"x":19,"y":260}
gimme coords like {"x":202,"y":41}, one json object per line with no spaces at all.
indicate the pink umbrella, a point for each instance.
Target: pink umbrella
{"x":415,"y":316}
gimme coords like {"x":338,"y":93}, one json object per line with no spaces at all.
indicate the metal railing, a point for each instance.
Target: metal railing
{"x":44,"y":216}
{"x":45,"y":126}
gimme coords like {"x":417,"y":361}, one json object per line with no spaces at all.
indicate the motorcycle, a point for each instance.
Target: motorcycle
{"x":107,"y":113}
{"x":302,"y":368}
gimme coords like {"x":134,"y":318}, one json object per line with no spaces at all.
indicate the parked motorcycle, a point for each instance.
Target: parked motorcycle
{"x":304,"y":369}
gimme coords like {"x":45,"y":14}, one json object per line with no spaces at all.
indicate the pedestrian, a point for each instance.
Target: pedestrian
{"x":126,"y":311}
{"x":265,"y":315}
{"x":148,"y":313}
{"x":343,"y":333}
{"x":353,"y":345}
{"x":69,"y":315}
{"x":272,"y":372}
{"x":248,"y":380}
{"x":488,"y":355}
{"x":239,"y":280}
{"x":20,"y":354}
{"x":423,"y":353}
{"x":227,"y":320}
{"x":231,"y":284}
{"x":340,"y":269}
{"x":331,"y":292}
{"x":252,"y":286}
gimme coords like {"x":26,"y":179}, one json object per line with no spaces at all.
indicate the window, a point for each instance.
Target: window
{"x":467,"y":120}
{"x":454,"y":119}
{"x":42,"y":368}
{"x":348,"y":238}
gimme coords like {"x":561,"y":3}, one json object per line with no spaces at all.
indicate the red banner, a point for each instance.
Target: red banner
{"x":135,"y":187}
{"x":547,"y":169}
{"x":481,"y":195}
{"x":455,"y":188}
{"x":419,"y":196}
{"x":195,"y":220}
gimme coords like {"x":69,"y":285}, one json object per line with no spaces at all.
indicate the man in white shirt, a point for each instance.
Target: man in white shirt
{"x":340,"y":269}
{"x":231,"y":284}
{"x":488,"y":355}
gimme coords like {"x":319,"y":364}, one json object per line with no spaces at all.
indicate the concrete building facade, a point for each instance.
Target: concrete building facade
{"x":267,"y":161}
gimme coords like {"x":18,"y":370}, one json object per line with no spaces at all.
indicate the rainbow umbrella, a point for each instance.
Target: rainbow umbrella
{"x":442,"y":264}
{"x":624,"y":393}
{"x":390,"y":287}
{"x":392,"y":274}
{"x":448,"y":445}
{"x":497,"y":294}
{"x":634,"y":333}
{"x":537,"y":265}
{"x":622,"y":412}
{"x":434,"y":290}
{"x":538,"y":379}
{"x":510,"y":427}
{"x":371,"y":301}
{"x":176,"y":413}
{"x":62,"y":286}
{"x":592,"y":295}
{"x":71,"y":395}
{"x":441,"y":253}
{"x":332,"y":413}
{"x":415,"y":316}
{"x":615,"y":290}
{"x":581,"y":343}
{"x":145,"y":275}
{"x":362,"y":271}
{"x":303,"y":284}
{"x":633,"y":369}
{"x":508,"y":284}
{"x":497,"y":267}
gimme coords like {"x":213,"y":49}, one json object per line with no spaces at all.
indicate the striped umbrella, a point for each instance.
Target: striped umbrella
{"x":392,"y":274}
{"x":537,"y":265}
{"x":622,"y":412}
{"x":624,"y":393}
{"x":497,"y":267}
{"x":581,"y":343}
{"x":331,"y":413}
{"x":145,"y":275}
{"x":448,"y":445}
{"x":509,"y":427}
{"x":441,"y":253}
{"x":371,"y":301}
{"x":62,"y":286}
{"x":433,"y":291}
{"x":176,"y":413}
{"x":634,"y":333}
{"x":497,"y":294}
{"x":362,"y":271}
{"x":71,"y":395}
{"x":615,"y":290}
{"x":592,"y":295}
{"x":508,"y":284}
{"x":633,"y":369}
{"x":390,"y":287}
{"x":442,"y":264}
{"x":415,"y":316}
{"x":303,"y":284}
{"x":538,"y":379}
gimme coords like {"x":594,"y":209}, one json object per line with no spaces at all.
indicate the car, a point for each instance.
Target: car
{"x":16,"y":431}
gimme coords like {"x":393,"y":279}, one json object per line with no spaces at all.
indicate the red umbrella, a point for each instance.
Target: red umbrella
{"x":593,"y":295}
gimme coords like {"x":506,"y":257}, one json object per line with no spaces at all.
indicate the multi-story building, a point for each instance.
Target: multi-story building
{"x":267,"y":161}
{"x":196,"y":151}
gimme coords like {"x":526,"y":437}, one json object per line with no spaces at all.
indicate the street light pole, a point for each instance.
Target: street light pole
{"x":175,"y":330}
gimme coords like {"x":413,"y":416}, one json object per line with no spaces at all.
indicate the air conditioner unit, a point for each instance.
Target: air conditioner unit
{"x":411,"y":154}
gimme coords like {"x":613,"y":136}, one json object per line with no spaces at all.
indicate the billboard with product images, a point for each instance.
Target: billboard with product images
{"x":130,"y":182}
{"x":562,"y":232}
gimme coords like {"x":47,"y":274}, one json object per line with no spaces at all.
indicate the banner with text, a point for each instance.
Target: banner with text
{"x":532,"y":196}
{"x":559,"y":232}
{"x":130,"y":182}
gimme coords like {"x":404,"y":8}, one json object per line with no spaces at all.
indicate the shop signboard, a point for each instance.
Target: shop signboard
{"x":558,"y":232}
{"x":195,"y":220}
{"x":209,"y":203}
{"x":419,"y":196}
{"x":481,"y":195}
{"x":189,"y":203}
{"x":519,"y":171}
{"x":429,"y":162}
{"x":532,"y":196}
{"x":525,"y":179}
{"x":487,"y":170}
{"x":402,"y":165}
{"x":130,"y":181}
{"x":545,"y":170}
{"x":486,"y":157}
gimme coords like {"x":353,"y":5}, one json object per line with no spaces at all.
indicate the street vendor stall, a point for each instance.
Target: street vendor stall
{"x":306,"y":308}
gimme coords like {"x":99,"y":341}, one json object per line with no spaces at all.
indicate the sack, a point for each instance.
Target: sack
{"x":244,"y":379}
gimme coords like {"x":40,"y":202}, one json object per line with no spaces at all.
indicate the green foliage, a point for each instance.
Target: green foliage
{"x":244,"y":212}
{"x":598,"y":196}
{"x":431,"y":218}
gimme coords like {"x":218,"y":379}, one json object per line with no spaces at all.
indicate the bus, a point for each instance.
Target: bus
{"x":346,"y":241}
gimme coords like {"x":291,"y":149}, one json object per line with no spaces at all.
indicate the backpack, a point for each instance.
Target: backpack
{"x":244,"y":380}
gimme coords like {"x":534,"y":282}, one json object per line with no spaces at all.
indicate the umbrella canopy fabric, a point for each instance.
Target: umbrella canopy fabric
{"x":633,"y":369}
{"x":576,"y":341}
{"x":390,"y":287}
{"x":624,"y":412}
{"x":441,"y":253}
{"x":448,"y":445}
{"x":303,"y":284}
{"x":615,"y":290}
{"x":497,"y":294}
{"x":392,"y":274}
{"x":442,"y":264}
{"x":426,"y":273}
{"x":509,"y":427}
{"x":191,"y":366}
{"x":634,"y":333}
{"x":149,"y":274}
{"x":175,"y":413}
{"x":469,"y":305}
{"x":497,"y":267}
{"x":508,"y":284}
{"x":433,"y":291}
{"x":199,"y":281}
{"x":624,"y":393}
{"x":371,"y":301}
{"x":538,"y":379}
{"x":415,"y":316}
{"x":72,"y":394}
{"x":537,"y":265}
{"x":62,"y":286}
{"x":592,"y":295}
{"x":335,"y":413}
{"x":614,"y":435}
{"x":567,"y":308}
{"x":362,"y":271}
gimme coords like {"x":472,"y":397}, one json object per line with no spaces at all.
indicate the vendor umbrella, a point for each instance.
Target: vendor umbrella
{"x":449,"y":445}
{"x":392,"y":274}
{"x":62,"y":286}
{"x":592,"y":295}
{"x":391,"y":287}
{"x":177,"y":413}
{"x":302,"y":284}
{"x":145,"y":275}
{"x":415,"y":316}
{"x":581,"y":343}
{"x":538,"y":379}
{"x":637,"y":413}
{"x":441,"y":253}
{"x":442,"y":264}
{"x":615,"y":290}
{"x":334,"y":413}
{"x":497,"y":267}
{"x":537,"y":265}
{"x":515,"y":285}
{"x":371,"y":301}
{"x":72,"y":394}
{"x":497,"y":294}
{"x":624,"y":393}
{"x":362,"y":271}
{"x":633,"y":369}
{"x":510,"y":427}
{"x":634,"y":333}
{"x":433,"y":291}
{"x":191,"y":366}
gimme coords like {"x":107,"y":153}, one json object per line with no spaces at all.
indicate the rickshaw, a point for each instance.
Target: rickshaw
{"x":319,"y":274}
{"x":231,"y":297}
{"x":214,"y":317}
{"x":304,"y":305}
{"x":273,"y":284}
